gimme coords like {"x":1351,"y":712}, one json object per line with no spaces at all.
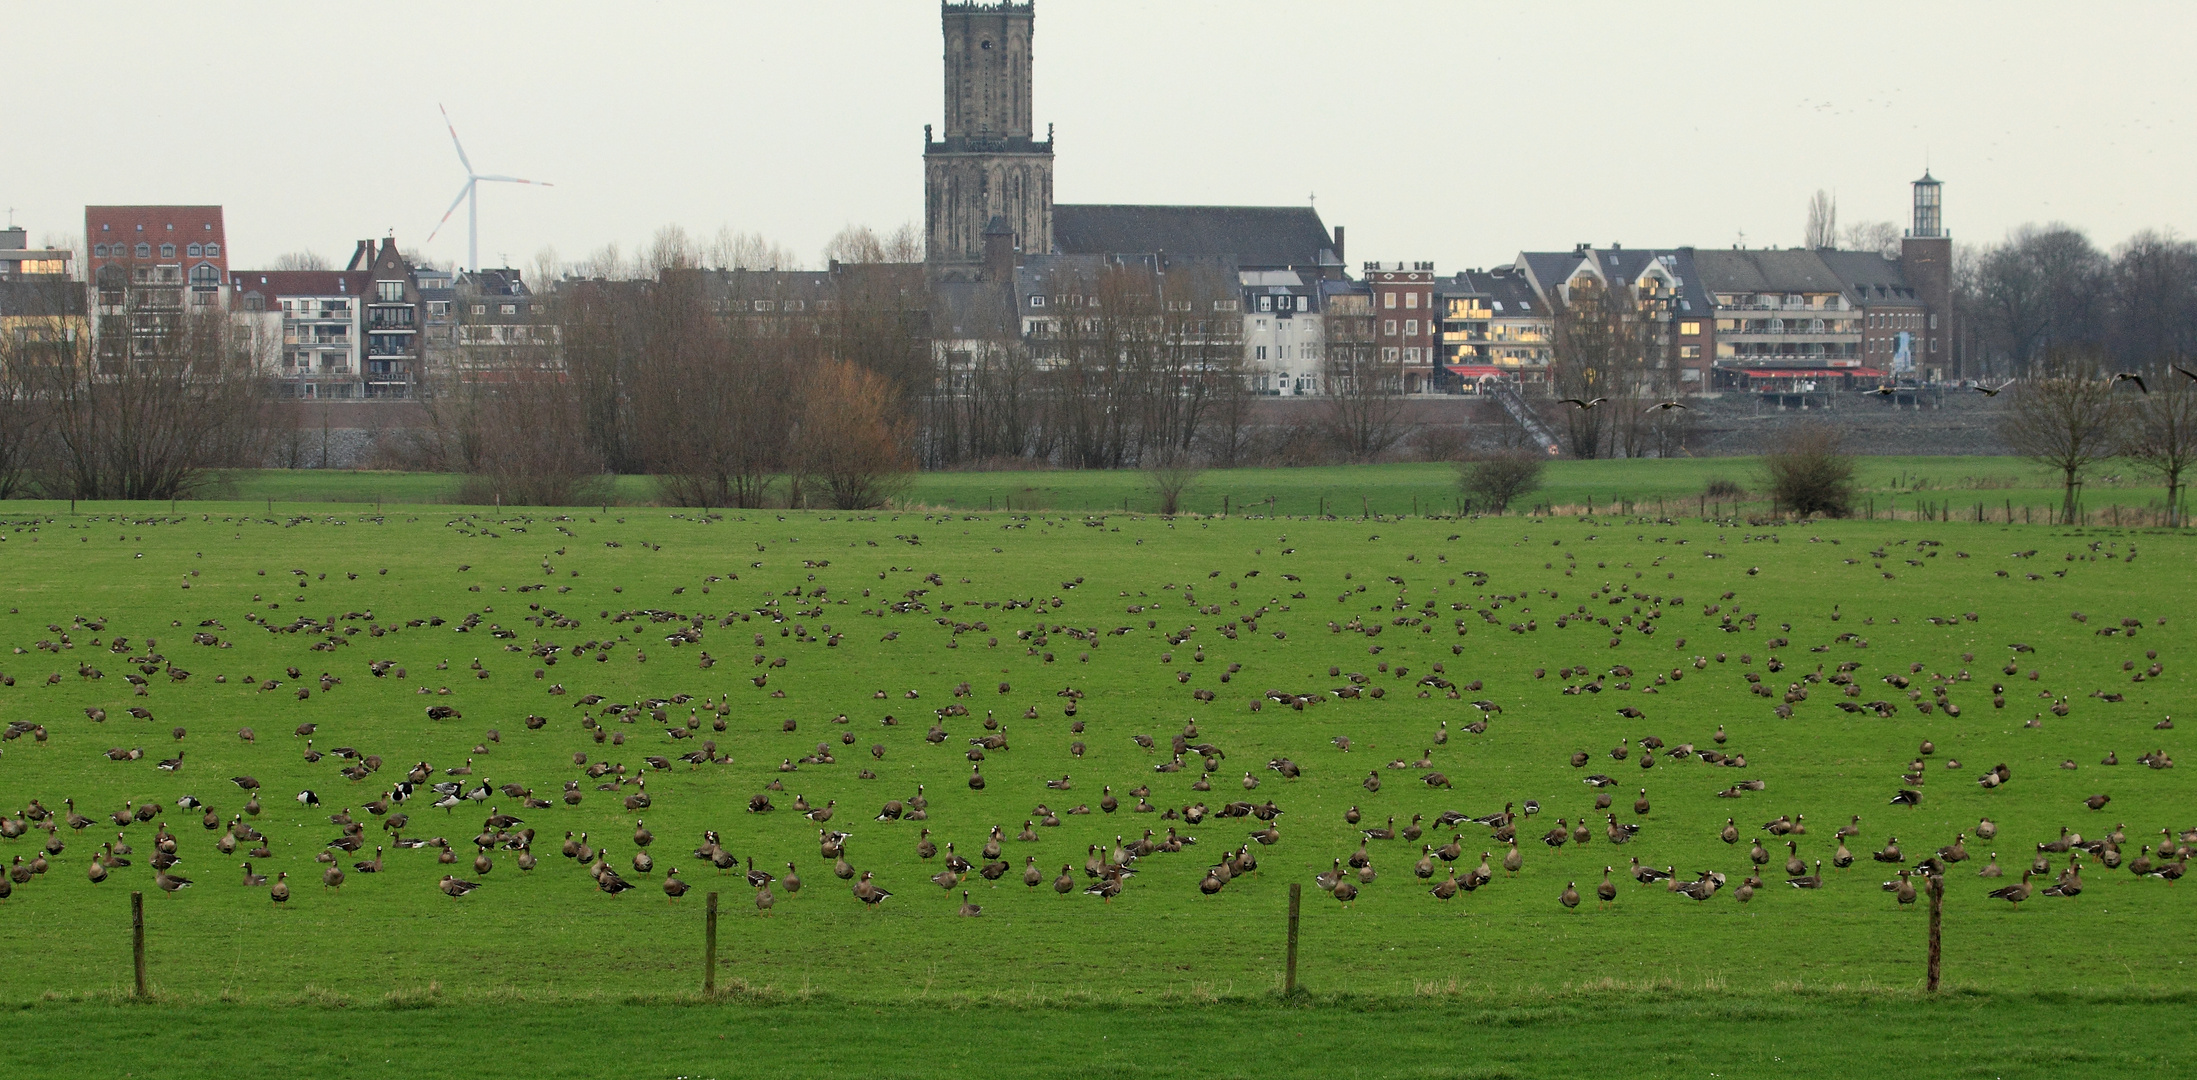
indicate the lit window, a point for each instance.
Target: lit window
{"x":1411,"y":300}
{"x":1388,"y":300}
{"x":1690,"y":327}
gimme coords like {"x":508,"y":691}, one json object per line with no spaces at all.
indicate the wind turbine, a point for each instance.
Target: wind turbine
{"x":470,"y":196}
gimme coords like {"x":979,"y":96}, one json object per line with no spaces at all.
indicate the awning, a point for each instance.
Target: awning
{"x":1812,"y":373}
{"x":1475,"y":371}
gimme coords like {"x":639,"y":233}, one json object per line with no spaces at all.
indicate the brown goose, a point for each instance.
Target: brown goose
{"x":1570,"y":896}
{"x":1606,"y":891}
{"x":2015,"y":893}
{"x":969,"y":910}
{"x":279,"y":892}
{"x":673,"y":887}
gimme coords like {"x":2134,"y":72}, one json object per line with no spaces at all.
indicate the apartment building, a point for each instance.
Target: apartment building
{"x":19,"y":259}
{"x":1405,"y":322}
{"x":1493,"y":327}
{"x":308,"y":327}
{"x":1282,"y":332}
{"x":150,"y":266}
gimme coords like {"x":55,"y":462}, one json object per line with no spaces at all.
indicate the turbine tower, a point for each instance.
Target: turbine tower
{"x":469,"y":195}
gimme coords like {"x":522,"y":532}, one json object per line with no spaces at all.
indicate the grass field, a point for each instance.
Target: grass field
{"x":1889,"y":486}
{"x":1429,"y":968}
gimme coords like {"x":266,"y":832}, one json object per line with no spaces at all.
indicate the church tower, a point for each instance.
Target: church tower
{"x":988,"y":165}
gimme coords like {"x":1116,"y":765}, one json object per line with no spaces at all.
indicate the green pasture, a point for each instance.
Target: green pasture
{"x":1299,"y":596}
{"x":1902,"y":487}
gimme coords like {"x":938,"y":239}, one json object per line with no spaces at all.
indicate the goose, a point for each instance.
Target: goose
{"x":764,"y":901}
{"x":455,"y":887}
{"x":1031,"y":875}
{"x":1842,"y":858}
{"x":969,"y":910}
{"x":758,"y":878}
{"x":1513,"y":861}
{"x":1328,"y":879}
{"x":169,"y":883}
{"x":1903,"y":889}
{"x":673,"y":887}
{"x":1890,"y":852}
{"x":1558,"y":836}
{"x":279,"y":892}
{"x":1570,"y":896}
{"x":1986,"y":829}
{"x":1379,"y":832}
{"x":1345,"y":892}
{"x":97,"y":871}
{"x":1425,"y":866}
{"x":2015,"y":893}
{"x":1647,"y":875}
{"x":1064,"y":883}
{"x":1606,"y":891}
{"x":371,"y":866}
{"x":1794,"y":864}
{"x":1957,"y":851}
{"x":1811,"y":881}
{"x":791,"y":882}
{"x":1109,"y":887}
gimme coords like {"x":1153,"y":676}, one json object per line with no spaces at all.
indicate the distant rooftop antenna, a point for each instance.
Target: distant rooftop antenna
{"x":469,"y":195}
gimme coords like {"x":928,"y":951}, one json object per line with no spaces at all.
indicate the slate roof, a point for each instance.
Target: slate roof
{"x":1257,"y":237}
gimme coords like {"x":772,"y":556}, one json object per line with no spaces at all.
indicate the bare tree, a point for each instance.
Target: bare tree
{"x":1361,"y":386}
{"x":2162,"y":434}
{"x":301,"y":260}
{"x":1882,"y":237}
{"x":2065,"y":417}
{"x":2154,"y":300}
{"x":2043,"y":290}
{"x":734,"y":250}
{"x":1173,"y":471}
{"x":1598,"y":354}
{"x":851,"y":437}
{"x":534,"y":448}
{"x":1810,"y":472}
{"x":1496,"y":480}
{"x":861,"y":244}
{"x":1822,"y":221}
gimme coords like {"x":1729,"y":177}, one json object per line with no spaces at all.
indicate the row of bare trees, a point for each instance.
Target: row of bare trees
{"x":149,"y":410}
{"x":2071,"y":413}
{"x":2047,"y":289}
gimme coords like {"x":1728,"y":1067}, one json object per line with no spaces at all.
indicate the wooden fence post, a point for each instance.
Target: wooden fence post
{"x":137,"y":939}
{"x":1296,"y":897}
{"x":1936,"y":887}
{"x":709,"y":949}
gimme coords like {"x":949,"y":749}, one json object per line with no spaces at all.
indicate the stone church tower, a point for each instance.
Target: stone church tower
{"x":988,"y":165}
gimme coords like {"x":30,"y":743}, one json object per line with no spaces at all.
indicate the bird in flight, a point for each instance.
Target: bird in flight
{"x":1884,"y":391}
{"x":2192,"y":374}
{"x":1989,"y":391}
{"x":2131,"y":377}
{"x":1582,"y":404}
{"x":1661,"y":405}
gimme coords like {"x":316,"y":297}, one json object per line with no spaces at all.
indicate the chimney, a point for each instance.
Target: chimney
{"x":363,"y":258}
{"x":1339,"y":244}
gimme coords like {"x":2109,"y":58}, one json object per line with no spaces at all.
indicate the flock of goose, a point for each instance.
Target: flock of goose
{"x":1183,"y":761}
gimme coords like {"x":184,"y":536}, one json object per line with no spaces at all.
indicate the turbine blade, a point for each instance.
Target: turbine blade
{"x":516,"y":180}
{"x":453,"y":209}
{"x":462,"y":159}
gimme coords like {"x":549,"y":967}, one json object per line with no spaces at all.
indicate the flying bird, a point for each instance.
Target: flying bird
{"x":1661,"y":405}
{"x":1994,"y":391}
{"x":1582,"y":404}
{"x":2131,"y":377}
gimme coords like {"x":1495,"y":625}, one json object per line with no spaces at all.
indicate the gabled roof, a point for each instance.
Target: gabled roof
{"x":1759,"y":270}
{"x":1871,"y":279}
{"x":1255,"y":236}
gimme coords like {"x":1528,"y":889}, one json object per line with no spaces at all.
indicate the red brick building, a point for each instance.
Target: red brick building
{"x":1405,"y":321}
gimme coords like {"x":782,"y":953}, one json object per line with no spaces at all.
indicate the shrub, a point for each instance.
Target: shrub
{"x":1173,"y":472}
{"x":1810,"y":472}
{"x":1497,"y":480}
{"x":1721,"y":488}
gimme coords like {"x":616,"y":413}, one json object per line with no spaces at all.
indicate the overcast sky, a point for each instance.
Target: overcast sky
{"x":1458,"y":132}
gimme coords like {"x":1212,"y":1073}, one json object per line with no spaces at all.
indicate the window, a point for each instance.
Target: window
{"x":1266,"y":303}
{"x":1523,"y":305}
{"x":144,"y":250}
{"x":1390,"y":354}
{"x":1037,"y":301}
{"x":1689,"y":352}
{"x":1411,"y":327}
{"x":480,"y":309}
{"x":1411,"y":300}
{"x":438,"y":307}
{"x":1388,"y":300}
{"x":213,"y":251}
{"x":195,"y":251}
{"x":1690,"y":327}
{"x":205,"y":276}
{"x":794,"y":305}
{"x":1224,"y":305}
{"x":764,"y":305}
{"x":1389,"y":327}
{"x":99,"y":250}
{"x":1933,"y":320}
{"x":167,"y":251}
{"x":507,"y":309}
{"x":1411,"y":355}
{"x":1259,"y":353}
{"x":389,"y":292}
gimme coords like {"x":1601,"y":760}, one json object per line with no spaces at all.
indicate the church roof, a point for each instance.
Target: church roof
{"x":1256,"y":236}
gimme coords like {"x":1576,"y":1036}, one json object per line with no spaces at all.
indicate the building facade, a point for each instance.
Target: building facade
{"x":19,"y":259}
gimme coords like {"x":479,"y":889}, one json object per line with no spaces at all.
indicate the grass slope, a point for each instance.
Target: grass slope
{"x":551,"y":934}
